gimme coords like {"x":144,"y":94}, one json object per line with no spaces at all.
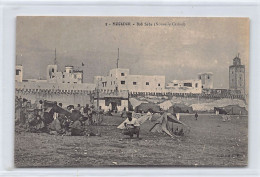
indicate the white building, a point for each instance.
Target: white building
{"x":69,"y":76}
{"x":119,"y":79}
{"x":184,"y":86}
{"x":18,"y":73}
{"x":206,"y":80}
{"x":35,"y":80}
{"x":114,"y":101}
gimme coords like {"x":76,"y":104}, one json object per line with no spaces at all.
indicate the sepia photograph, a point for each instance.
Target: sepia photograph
{"x":114,"y":91}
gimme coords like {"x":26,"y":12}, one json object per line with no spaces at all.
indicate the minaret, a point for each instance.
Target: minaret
{"x":237,"y":75}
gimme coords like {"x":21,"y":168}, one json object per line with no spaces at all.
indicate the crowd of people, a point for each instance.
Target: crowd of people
{"x":53,"y":118}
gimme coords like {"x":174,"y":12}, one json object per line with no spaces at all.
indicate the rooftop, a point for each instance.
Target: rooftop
{"x":77,"y":71}
{"x":205,"y":73}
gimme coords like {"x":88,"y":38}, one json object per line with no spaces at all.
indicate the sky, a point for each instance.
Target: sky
{"x":180,"y":50}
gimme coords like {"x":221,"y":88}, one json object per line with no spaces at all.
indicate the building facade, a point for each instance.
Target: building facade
{"x":237,"y":75}
{"x":113,"y":101}
{"x":18,"y":73}
{"x":69,"y":76}
{"x":119,"y":79}
{"x":206,"y":80}
{"x":184,"y":86}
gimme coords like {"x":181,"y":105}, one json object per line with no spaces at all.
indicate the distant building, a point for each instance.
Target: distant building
{"x":69,"y":76}
{"x":185,"y":86}
{"x":119,"y":79}
{"x":237,"y":75}
{"x":35,"y":80}
{"x":206,"y":80}
{"x":18,"y":73}
{"x":114,"y":101}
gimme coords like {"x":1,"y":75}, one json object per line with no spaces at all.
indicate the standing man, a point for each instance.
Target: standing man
{"x":178,"y":116}
{"x":196,"y":116}
{"x":123,"y":115}
{"x":40,"y":108}
{"x":150,"y":114}
{"x":132,"y":126}
{"x":78,"y":107}
{"x":55,"y":110}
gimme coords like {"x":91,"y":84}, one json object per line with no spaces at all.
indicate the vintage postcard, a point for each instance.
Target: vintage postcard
{"x":131,"y":91}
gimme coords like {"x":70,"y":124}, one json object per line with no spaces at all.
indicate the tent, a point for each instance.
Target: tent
{"x":55,"y":125}
{"x":146,"y":106}
{"x":231,"y":110}
{"x":168,"y":124}
{"x":140,"y":120}
{"x":50,"y":105}
{"x":180,"y":108}
{"x":155,"y":117}
{"x":50,"y":108}
{"x":75,"y":115}
{"x":165,"y":105}
{"x":135,"y":102}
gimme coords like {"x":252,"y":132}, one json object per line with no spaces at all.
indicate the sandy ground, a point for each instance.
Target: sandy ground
{"x":211,"y":142}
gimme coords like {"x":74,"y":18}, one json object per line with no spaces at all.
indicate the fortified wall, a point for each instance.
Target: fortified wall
{"x":73,"y":94}
{"x":67,"y":94}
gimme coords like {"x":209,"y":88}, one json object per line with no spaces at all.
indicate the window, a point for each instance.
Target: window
{"x":159,"y":85}
{"x":104,"y":84}
{"x":122,"y":74}
{"x":70,"y":71}
{"x":111,"y":82}
{"x":68,"y":82}
{"x":175,"y":84}
{"x":196,"y":85}
{"x":75,"y":82}
{"x":134,"y":83}
{"x":111,"y":75}
{"x":208,"y":77}
{"x":187,"y":84}
{"x":199,"y":77}
{"x":63,"y":76}
{"x":52,"y":70}
{"x":123,"y":82}
{"x":147,"y":83}
{"x":75,"y":76}
{"x":18,"y":72}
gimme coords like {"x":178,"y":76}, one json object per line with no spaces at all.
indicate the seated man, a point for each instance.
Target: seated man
{"x":77,"y":128}
{"x":132,"y":126}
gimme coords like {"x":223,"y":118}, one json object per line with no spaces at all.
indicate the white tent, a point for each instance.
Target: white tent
{"x":141,"y":120}
{"x":135,"y":102}
{"x":165,"y":105}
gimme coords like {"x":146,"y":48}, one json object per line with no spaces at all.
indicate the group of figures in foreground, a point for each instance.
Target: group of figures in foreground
{"x":50,"y":117}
